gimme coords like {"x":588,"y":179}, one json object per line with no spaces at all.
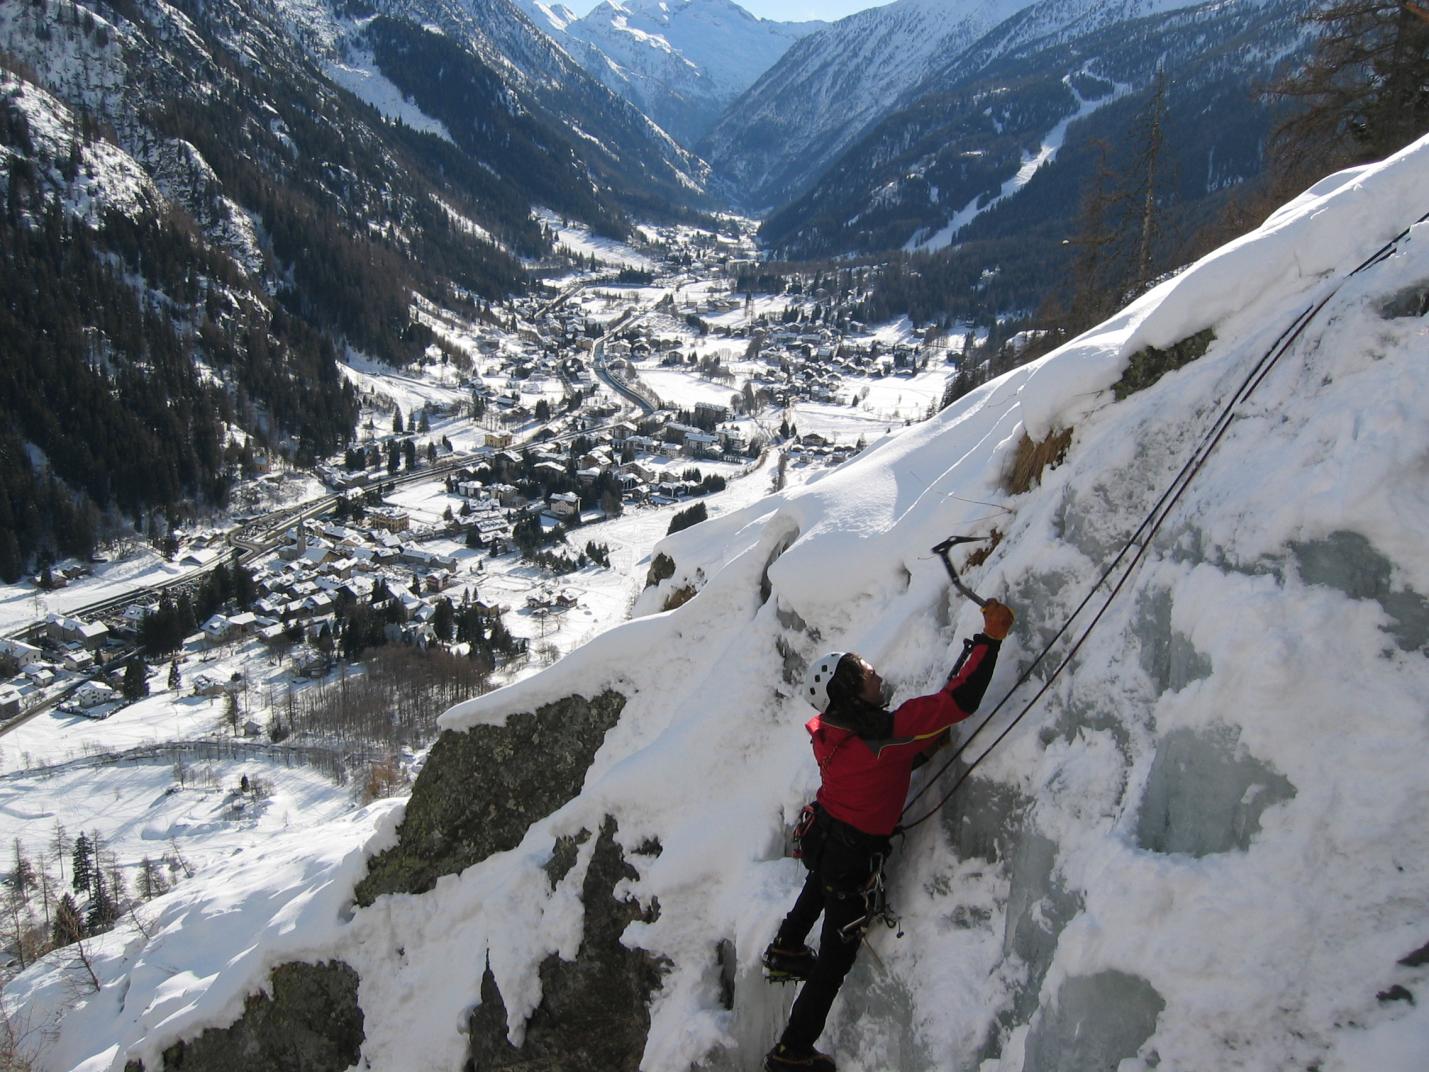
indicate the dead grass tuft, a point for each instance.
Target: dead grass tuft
{"x":1031,"y":458}
{"x":981,"y":555}
{"x":679,"y":597}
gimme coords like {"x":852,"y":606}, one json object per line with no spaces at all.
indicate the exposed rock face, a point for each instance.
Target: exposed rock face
{"x":482,"y":788}
{"x":312,"y":1023}
{"x":594,"y":1014}
{"x":1149,"y":364}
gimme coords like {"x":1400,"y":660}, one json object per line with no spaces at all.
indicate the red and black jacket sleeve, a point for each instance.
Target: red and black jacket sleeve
{"x":927,"y":716}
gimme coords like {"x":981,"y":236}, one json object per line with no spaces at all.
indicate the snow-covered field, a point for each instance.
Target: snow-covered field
{"x":581,"y":241}
{"x":134,"y":567}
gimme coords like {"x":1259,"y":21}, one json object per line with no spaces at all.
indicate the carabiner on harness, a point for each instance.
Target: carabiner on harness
{"x":875,"y":906}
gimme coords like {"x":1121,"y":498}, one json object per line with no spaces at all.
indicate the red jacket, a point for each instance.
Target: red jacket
{"x":866,"y":781}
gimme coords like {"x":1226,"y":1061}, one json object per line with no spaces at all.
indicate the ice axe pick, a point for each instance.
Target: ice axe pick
{"x":942,"y":549}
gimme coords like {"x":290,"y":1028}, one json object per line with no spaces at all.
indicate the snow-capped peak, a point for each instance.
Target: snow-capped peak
{"x":681,"y":63}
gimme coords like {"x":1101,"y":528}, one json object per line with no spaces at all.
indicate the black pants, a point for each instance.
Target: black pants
{"x":843,"y":860}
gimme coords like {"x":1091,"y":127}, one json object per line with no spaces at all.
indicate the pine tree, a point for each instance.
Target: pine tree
{"x":59,"y":843}
{"x":102,"y":909}
{"x":175,"y":679}
{"x":68,"y":926}
{"x":136,"y":679}
{"x":151,"y":880}
{"x":22,"y":874}
{"x":444,"y":620}
{"x":1147,"y":173}
{"x":11,"y":564}
{"x":82,"y":865}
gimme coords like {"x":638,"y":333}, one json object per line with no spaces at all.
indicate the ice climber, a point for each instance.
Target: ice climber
{"x":866,"y":755}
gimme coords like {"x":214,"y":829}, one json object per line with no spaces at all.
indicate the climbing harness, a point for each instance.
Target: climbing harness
{"x":876,"y":908}
{"x":1141,"y":540}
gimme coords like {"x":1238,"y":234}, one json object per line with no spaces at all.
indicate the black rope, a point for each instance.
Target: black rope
{"x":1149,"y":526}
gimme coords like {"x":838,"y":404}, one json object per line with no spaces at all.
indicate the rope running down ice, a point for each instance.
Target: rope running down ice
{"x":1141,"y":539}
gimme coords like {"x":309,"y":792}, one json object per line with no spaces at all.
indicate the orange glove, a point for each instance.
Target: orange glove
{"x":997,"y":619}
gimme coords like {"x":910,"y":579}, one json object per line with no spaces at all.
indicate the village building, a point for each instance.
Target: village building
{"x":620,"y":434}
{"x":217,"y":629}
{"x":700,"y":444}
{"x":38,"y":675}
{"x":91,"y":634}
{"x":93,"y":693}
{"x":388,"y":518}
{"x":243,"y":622}
{"x":549,"y":471}
{"x":133,"y":617}
{"x":200,"y":557}
{"x":712,"y":411}
{"x":23,"y":654}
{"x":429,"y":559}
{"x":76,"y":657}
{"x":563,"y":505}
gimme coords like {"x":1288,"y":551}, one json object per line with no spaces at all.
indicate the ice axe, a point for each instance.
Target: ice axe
{"x":942,"y":549}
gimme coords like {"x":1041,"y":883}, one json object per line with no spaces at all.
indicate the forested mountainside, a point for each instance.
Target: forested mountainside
{"x":199,"y":221}
{"x":951,"y":157}
{"x":787,"y":128}
{"x":999,"y":153}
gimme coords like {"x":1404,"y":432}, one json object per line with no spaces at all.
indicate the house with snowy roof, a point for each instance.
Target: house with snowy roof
{"x":23,"y":654}
{"x":388,"y":518}
{"x":217,"y":629}
{"x":91,"y":634}
{"x":75,"y":656}
{"x":93,"y":693}
{"x":564,"y":504}
{"x":700,"y":444}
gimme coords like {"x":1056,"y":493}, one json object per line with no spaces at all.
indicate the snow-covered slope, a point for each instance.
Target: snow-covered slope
{"x":1203,"y":848}
{"x":681,"y":62}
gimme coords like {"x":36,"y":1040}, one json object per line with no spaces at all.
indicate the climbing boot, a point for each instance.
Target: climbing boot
{"x":784,"y":1059}
{"x":788,"y":963}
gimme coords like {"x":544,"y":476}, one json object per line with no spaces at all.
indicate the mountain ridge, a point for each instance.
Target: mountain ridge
{"x":802,"y":112}
{"x":680,"y":63}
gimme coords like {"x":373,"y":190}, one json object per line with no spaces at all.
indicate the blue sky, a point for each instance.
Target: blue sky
{"x":783,"y":10}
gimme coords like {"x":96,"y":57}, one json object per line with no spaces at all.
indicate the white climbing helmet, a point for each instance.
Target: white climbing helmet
{"x":816,"y":678}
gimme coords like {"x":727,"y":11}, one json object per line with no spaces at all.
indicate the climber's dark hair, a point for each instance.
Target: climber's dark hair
{"x":848,"y":709}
